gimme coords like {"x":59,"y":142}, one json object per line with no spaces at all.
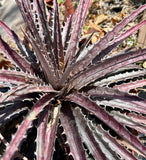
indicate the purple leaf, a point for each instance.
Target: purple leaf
{"x":20,"y":134}
{"x":46,"y":65}
{"x":12,"y":110}
{"x":58,"y":46}
{"x":97,"y":47}
{"x":115,"y":98}
{"x":41,"y":132}
{"x":137,"y":117}
{"x":15,"y":57}
{"x":50,"y":134}
{"x":106,"y":118}
{"x":107,"y":66}
{"x":35,"y":89}
{"x":66,"y":31}
{"x":42,"y":17}
{"x":21,"y":45}
{"x":117,"y":41}
{"x":12,"y":91}
{"x":121,"y":76}
{"x":131,"y":85}
{"x":87,"y":135}
{"x":115,"y":145}
{"x":15,"y":77}
{"x":125,"y":120}
{"x":75,"y":35}
{"x":72,"y":134}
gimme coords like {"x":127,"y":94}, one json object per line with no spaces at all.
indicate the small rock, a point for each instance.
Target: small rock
{"x":144,"y":64}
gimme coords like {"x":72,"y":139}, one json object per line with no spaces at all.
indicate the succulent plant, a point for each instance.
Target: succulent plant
{"x":77,"y":96}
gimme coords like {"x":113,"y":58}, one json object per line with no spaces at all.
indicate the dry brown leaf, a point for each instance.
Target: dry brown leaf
{"x":94,"y":39}
{"x":5,"y":63}
{"x":101,"y":34}
{"x":115,"y":20}
{"x":101,"y":18}
{"x":93,"y":25}
{"x":142,"y":34}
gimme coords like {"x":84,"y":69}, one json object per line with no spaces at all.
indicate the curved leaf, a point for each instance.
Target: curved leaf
{"x":15,"y":57}
{"x":106,"y":66}
{"x":50,"y":134}
{"x":72,"y":133}
{"x":15,"y":77}
{"x":106,"y":118}
{"x":87,"y":135}
{"x":38,"y":107}
{"x":103,"y":43}
{"x":131,"y":85}
{"x":115,"y":98}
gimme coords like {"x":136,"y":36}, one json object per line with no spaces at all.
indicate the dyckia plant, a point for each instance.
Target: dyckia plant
{"x":75,"y":95}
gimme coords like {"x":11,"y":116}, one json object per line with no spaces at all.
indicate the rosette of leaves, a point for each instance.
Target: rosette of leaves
{"x":77,"y":94}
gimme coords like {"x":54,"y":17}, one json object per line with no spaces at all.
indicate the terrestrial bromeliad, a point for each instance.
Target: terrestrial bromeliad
{"x":62,"y":89}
